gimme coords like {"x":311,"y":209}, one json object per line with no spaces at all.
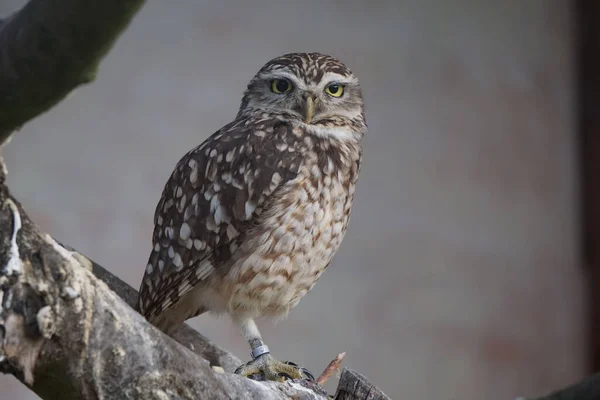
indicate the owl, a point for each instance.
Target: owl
{"x":250,"y":219}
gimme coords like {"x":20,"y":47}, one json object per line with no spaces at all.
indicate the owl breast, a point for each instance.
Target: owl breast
{"x":297,"y":236}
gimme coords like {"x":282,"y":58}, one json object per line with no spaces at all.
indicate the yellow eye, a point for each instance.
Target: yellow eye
{"x":335,"y":90}
{"x":280,"y":86}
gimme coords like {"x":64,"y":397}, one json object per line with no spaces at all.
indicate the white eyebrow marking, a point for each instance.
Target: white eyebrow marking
{"x":329,"y":77}
{"x":284,"y":74}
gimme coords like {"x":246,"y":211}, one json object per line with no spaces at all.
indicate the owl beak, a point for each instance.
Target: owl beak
{"x":309,"y":109}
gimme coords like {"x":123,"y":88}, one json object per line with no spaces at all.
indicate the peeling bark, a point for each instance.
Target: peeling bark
{"x":66,"y":335}
{"x":187,"y":336}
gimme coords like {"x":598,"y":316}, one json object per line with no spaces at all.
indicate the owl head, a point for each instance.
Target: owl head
{"x":313,"y":90}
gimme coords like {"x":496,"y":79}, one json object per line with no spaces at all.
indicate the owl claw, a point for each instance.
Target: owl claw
{"x":306,"y":374}
{"x":267,"y":368}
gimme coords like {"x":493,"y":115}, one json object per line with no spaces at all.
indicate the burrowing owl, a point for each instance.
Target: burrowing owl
{"x":251,"y":218}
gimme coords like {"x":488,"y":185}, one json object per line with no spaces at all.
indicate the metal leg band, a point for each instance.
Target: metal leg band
{"x":259,"y":351}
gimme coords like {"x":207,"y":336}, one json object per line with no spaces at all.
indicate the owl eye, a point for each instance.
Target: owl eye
{"x":280,"y":86}
{"x":335,"y":90}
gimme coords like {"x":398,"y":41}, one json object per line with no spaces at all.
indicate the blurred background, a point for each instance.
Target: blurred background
{"x":461,"y":275}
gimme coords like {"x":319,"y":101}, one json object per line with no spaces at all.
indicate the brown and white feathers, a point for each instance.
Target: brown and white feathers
{"x":251,"y":217}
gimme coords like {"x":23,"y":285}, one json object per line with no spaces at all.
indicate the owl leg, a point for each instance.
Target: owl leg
{"x":263,"y":366}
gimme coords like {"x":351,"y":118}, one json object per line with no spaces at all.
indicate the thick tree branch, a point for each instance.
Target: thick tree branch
{"x":49,"y":48}
{"x":65,"y":332}
{"x":187,"y":336}
{"x":587,"y":389}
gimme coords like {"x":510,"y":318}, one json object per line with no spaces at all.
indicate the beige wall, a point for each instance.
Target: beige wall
{"x":459,"y":277}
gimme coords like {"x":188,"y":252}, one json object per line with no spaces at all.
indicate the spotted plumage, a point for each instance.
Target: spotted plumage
{"x":251,"y":217}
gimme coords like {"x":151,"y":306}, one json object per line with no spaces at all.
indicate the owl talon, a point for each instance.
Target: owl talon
{"x":305,"y":372}
{"x":267,"y":368}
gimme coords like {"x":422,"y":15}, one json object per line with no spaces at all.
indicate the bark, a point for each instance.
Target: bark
{"x":187,"y":336}
{"x":587,"y":389}
{"x":49,"y":48}
{"x":355,"y":386}
{"x":66,"y":335}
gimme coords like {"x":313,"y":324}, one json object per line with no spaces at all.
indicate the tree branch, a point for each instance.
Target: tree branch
{"x":49,"y":48}
{"x":66,"y":335}
{"x":187,"y":336}
{"x":587,"y":389}
{"x":354,"y":386}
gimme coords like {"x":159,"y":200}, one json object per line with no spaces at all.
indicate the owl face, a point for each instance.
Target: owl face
{"x":313,"y":90}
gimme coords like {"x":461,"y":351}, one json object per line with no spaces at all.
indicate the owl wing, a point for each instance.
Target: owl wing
{"x":212,"y":198}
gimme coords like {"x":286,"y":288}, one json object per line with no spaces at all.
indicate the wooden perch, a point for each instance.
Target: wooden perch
{"x":187,"y":336}
{"x":67,"y":335}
